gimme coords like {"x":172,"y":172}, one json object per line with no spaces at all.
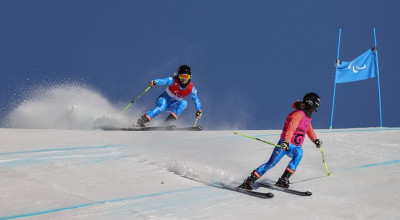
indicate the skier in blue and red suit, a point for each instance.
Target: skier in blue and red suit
{"x":172,"y":99}
{"x":297,"y":125}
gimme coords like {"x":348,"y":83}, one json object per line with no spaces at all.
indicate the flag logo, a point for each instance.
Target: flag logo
{"x":356,"y":67}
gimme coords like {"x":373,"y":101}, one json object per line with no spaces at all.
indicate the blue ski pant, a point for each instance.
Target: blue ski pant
{"x":295,"y":152}
{"x":165,"y":102}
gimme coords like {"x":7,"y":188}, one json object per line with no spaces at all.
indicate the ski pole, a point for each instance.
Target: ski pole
{"x":258,"y":139}
{"x":323,"y":160}
{"x":136,"y":99}
{"x":198,"y":113}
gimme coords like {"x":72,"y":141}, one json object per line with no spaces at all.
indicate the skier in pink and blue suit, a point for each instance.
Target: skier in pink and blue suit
{"x":172,"y":99}
{"x":297,"y":124}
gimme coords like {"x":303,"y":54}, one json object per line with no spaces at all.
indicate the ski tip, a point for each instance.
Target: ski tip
{"x":308,"y":193}
{"x":234,"y":132}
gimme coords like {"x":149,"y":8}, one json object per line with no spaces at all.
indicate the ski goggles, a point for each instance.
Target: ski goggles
{"x":184,"y":76}
{"x":313,"y":106}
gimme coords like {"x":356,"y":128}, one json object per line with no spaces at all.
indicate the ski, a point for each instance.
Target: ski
{"x":195,"y":128}
{"x":291,"y":191}
{"x":262,"y":195}
{"x":156,"y":128}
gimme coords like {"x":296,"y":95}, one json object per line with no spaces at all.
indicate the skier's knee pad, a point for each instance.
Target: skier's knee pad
{"x":298,"y":152}
{"x":161,"y":104}
{"x":183,"y":104}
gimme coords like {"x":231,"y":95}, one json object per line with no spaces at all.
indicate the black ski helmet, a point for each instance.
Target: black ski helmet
{"x":184,"y":69}
{"x":312,"y":101}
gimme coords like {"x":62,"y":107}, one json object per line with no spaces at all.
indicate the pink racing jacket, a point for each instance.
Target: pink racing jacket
{"x":297,"y":124}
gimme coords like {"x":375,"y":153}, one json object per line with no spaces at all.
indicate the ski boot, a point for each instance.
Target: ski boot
{"x":171,"y":118}
{"x":142,"y":120}
{"x":284,"y":180}
{"x":249,"y":182}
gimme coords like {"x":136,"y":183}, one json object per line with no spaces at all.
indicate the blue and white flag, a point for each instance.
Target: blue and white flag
{"x":362,"y":67}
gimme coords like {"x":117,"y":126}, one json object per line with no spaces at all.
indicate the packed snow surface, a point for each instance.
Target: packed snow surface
{"x":55,"y":163}
{"x":96,"y":174}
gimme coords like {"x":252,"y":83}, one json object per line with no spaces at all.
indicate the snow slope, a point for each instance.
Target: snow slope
{"x":95,"y":174}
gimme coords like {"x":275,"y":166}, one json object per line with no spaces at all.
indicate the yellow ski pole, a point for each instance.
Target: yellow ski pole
{"x":258,"y":139}
{"x":136,"y":99}
{"x":323,"y":160}
{"x":198,"y":113}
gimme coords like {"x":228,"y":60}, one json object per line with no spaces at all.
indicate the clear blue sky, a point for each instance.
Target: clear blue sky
{"x":250,"y":59}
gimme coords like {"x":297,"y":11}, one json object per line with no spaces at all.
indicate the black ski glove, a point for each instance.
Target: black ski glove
{"x":318,"y":143}
{"x":199,"y":114}
{"x":285,"y":145}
